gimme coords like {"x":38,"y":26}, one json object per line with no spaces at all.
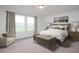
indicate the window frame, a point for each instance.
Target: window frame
{"x":25,"y":30}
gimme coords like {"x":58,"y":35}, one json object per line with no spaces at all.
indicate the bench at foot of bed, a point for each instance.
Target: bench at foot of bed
{"x":46,"y":41}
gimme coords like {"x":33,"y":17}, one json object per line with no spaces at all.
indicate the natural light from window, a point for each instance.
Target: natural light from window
{"x":20,"y":23}
{"x":24,"y":23}
{"x":30,"y":23}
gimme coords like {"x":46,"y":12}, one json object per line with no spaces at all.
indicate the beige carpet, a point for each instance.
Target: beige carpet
{"x":28,"y":46}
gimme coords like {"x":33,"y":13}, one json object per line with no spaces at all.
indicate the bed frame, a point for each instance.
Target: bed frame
{"x":45,"y":41}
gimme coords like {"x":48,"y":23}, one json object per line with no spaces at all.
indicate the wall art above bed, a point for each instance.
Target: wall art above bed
{"x":61,"y":19}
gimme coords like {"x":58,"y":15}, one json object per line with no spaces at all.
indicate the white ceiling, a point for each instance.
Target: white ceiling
{"x":34,"y":11}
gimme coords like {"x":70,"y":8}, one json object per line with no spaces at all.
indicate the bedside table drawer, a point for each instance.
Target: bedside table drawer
{"x":74,"y":35}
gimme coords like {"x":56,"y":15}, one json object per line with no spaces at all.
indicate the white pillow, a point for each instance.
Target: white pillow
{"x":63,"y":26}
{"x":53,"y":26}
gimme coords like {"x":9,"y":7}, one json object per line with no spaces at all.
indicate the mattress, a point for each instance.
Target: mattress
{"x":44,"y":37}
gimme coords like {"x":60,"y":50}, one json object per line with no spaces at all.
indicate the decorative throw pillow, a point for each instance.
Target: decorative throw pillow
{"x":62,"y":28}
{"x":57,"y":27}
{"x":4,"y":35}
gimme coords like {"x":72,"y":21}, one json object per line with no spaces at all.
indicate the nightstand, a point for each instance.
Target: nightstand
{"x":74,"y":35}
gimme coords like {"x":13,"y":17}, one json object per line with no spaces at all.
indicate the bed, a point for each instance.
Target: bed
{"x":55,"y":34}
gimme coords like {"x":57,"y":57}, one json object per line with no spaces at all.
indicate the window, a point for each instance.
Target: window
{"x":30,"y":23}
{"x":20,"y":23}
{"x":24,"y":23}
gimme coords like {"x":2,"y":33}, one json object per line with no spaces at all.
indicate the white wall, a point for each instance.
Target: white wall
{"x":73,"y":16}
{"x":2,"y":21}
{"x":40,"y":24}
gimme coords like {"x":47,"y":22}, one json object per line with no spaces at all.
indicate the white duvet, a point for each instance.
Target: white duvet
{"x":59,"y":34}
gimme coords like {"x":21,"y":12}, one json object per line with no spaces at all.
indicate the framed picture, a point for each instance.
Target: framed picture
{"x":61,"y":19}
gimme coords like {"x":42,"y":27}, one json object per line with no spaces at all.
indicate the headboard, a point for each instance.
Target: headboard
{"x":61,"y":24}
{"x":62,"y":21}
